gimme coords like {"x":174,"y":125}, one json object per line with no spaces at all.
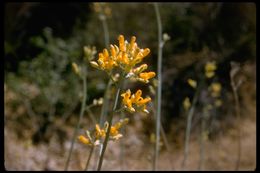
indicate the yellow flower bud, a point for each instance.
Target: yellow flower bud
{"x":192,"y":83}
{"x":84,"y":140}
{"x":186,"y":103}
{"x":75,"y":68}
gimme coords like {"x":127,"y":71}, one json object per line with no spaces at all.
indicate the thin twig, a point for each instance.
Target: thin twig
{"x":108,"y":130}
{"x":159,"y":88}
{"x":234,"y":69}
{"x":188,"y":129}
{"x":89,"y":157}
{"x":83,"y":104}
{"x":202,"y":138}
{"x":106,"y":33}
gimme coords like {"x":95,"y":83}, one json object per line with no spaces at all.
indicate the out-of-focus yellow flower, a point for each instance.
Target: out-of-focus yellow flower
{"x":210,"y":68}
{"x":218,"y":103}
{"x":84,"y":140}
{"x":100,"y":133}
{"x":186,"y":103}
{"x":89,"y":52}
{"x":103,"y":9}
{"x":215,"y":89}
{"x":76,"y":68}
{"x":135,"y":100}
{"x":114,"y":131}
{"x":192,"y":83}
{"x":209,"y":107}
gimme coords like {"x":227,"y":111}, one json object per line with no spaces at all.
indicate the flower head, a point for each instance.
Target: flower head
{"x":215,"y":89}
{"x":84,"y":140}
{"x":192,"y":83}
{"x":125,"y":56}
{"x":135,"y":101}
{"x":210,"y":68}
{"x":144,"y":77}
{"x":186,"y":103}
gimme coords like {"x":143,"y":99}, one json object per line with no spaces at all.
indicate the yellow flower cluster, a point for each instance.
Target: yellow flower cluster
{"x":135,"y":100}
{"x":125,"y":56}
{"x":186,"y":103}
{"x":192,"y":83}
{"x":100,"y":133}
{"x":103,"y":9}
{"x":215,"y":89}
{"x":210,"y":68}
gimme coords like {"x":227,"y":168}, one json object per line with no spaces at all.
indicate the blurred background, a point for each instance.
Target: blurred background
{"x":43,"y":95}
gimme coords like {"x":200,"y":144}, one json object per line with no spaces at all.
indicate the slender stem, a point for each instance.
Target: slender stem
{"x":83,"y":104}
{"x":105,"y":104}
{"x":234,"y":88}
{"x":108,"y":130}
{"x":188,"y":129}
{"x":122,"y":146}
{"x":106,"y":33}
{"x":163,"y":137}
{"x":202,"y":137}
{"x":89,"y":157}
{"x":159,"y":88}
{"x":91,"y":115}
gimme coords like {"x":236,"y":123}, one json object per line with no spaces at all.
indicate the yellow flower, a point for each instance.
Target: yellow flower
{"x":186,"y":103}
{"x":192,"y":83}
{"x":114,"y":131}
{"x":125,"y":56}
{"x":136,"y":100}
{"x":76,"y":68}
{"x":100,"y":133}
{"x":218,"y":103}
{"x":146,"y":76}
{"x":210,"y":68}
{"x":127,"y":101}
{"x":84,"y":140}
{"x":215,"y":89}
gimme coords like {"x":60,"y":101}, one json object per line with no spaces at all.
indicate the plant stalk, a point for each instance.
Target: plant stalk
{"x":108,"y":130}
{"x":83,"y":104}
{"x":159,"y":88}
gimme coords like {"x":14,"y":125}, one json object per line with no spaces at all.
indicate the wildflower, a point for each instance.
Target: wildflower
{"x":166,"y":37}
{"x":127,"y":101}
{"x":84,"y":140}
{"x":114,"y":131}
{"x":218,"y":103}
{"x":192,"y":83}
{"x":210,"y":68}
{"x":146,"y":76}
{"x":76,"y":68}
{"x":125,"y":56}
{"x":186,"y":103}
{"x":99,"y":132}
{"x":215,"y":89}
{"x":135,"y":100}
{"x":89,"y":52}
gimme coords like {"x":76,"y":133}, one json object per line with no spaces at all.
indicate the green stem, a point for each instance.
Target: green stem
{"x":105,"y":104}
{"x":91,"y":115}
{"x":188,"y":129}
{"x":122,"y":146}
{"x":159,"y":88}
{"x":202,"y":137}
{"x":83,"y":104}
{"x":106,"y":33}
{"x":234,"y":88}
{"x":108,"y":130}
{"x":89,"y":157}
